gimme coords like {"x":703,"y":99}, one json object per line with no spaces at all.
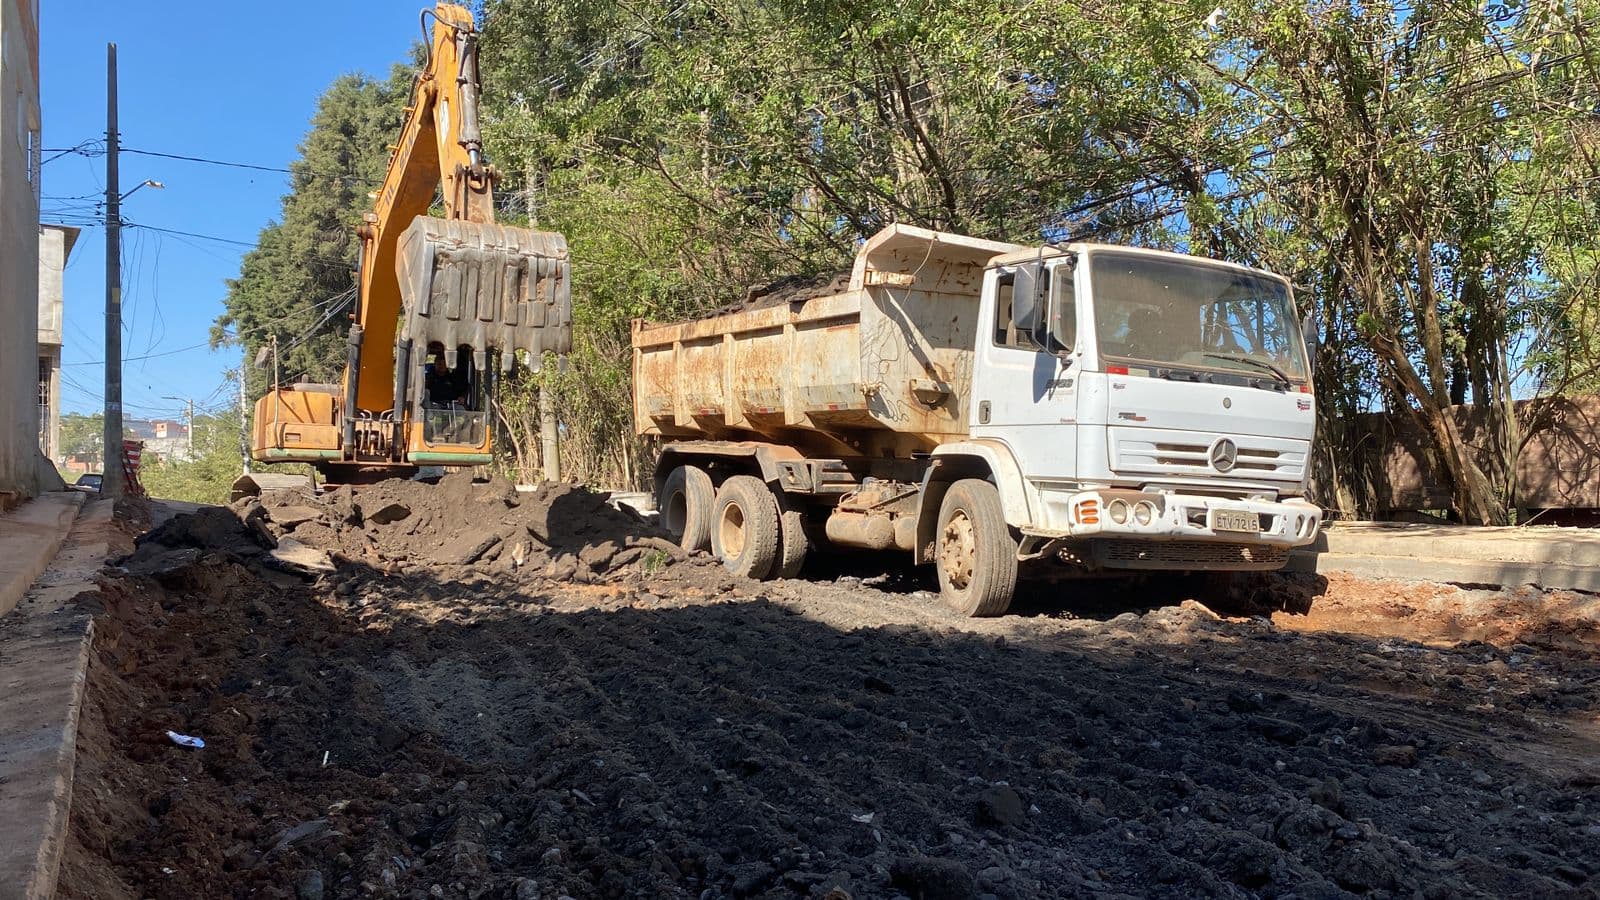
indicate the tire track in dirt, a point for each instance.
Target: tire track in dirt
{"x":667,"y":730}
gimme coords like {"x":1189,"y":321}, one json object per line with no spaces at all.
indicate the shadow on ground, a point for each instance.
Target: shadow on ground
{"x":413,"y":735}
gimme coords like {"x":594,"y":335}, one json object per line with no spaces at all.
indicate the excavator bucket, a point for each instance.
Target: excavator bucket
{"x":486,"y":286}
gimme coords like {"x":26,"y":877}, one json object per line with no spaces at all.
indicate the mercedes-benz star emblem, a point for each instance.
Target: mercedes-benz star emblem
{"x":1224,"y":454}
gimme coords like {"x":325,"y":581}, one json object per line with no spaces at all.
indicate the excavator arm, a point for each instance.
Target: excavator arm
{"x":480,"y":294}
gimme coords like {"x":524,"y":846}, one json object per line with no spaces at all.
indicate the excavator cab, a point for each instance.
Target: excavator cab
{"x":447,"y":304}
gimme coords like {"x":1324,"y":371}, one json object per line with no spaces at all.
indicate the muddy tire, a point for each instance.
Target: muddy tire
{"x":974,"y":552}
{"x":687,"y":502}
{"x":745,"y":528}
{"x":793,"y":543}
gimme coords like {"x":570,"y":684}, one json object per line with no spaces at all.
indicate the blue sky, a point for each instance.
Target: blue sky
{"x":234,"y":81}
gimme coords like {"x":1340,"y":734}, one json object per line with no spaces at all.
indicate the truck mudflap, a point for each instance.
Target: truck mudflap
{"x":1131,"y":529}
{"x":485,"y":286}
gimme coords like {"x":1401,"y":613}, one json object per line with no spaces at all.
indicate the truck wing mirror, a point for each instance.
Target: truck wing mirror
{"x":1027,"y":298}
{"x":1308,"y":331}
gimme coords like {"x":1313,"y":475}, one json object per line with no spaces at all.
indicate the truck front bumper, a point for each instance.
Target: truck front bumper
{"x":1130,"y":529}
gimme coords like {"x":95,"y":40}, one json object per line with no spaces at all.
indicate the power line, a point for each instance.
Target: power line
{"x":212,"y":162}
{"x":344,"y":295}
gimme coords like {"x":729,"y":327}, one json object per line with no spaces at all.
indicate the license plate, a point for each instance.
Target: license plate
{"x":1229,"y":520}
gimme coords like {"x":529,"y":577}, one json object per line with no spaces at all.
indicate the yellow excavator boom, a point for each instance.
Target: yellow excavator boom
{"x":445,"y":304}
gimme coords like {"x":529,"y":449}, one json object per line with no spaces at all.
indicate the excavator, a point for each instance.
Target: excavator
{"x":445,"y":304}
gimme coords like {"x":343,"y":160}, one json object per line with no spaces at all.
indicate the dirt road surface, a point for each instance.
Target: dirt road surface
{"x":545,"y":719}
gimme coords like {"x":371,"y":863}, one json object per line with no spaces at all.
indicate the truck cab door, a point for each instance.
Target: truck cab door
{"x":1024,"y":395}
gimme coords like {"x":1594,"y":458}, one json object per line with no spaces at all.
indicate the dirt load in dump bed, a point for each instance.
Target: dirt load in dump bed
{"x":430,"y":721}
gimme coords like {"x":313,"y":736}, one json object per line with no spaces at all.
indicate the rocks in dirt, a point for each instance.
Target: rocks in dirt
{"x":874,"y":683}
{"x":565,"y":532}
{"x":295,"y":556}
{"x":1402,"y":755}
{"x":388,"y":513}
{"x":466,"y":549}
{"x":296,"y":834}
{"x":1329,"y":795}
{"x":309,"y":887}
{"x":1000,"y":805}
{"x":750,"y":878}
{"x":290,"y":516}
{"x":928,"y":878}
{"x":1279,"y":730}
{"x":158,"y":564}
{"x":211,"y":528}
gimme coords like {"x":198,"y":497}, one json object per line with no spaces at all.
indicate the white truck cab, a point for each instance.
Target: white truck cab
{"x":992,"y":409}
{"x":1156,"y":403}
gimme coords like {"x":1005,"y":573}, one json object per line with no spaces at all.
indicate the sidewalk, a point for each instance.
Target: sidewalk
{"x":30,"y":535}
{"x":1561,"y":558}
{"x":45,"y":643}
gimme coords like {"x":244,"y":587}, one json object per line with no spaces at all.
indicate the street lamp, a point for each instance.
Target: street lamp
{"x":148,"y":182}
{"x":184,"y":400}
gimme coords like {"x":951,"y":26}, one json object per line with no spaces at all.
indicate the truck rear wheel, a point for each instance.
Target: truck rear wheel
{"x":745,"y":529}
{"x":974,"y":553}
{"x":793,"y":543}
{"x":686,"y":502}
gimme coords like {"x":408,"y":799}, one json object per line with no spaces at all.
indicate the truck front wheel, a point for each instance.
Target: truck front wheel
{"x":745,"y":530}
{"x":975,"y":555}
{"x":686,"y":503}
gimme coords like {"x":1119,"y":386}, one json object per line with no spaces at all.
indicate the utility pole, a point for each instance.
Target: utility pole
{"x":111,"y":479}
{"x":244,"y":417}
{"x":549,"y":430}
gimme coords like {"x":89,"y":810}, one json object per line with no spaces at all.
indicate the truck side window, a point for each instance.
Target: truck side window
{"x":1006,"y":334}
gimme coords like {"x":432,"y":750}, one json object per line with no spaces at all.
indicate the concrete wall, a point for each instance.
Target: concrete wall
{"x":55,"y":247}
{"x":1559,"y":467}
{"x":19,"y":247}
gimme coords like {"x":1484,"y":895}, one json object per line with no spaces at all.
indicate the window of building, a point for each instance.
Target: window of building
{"x":44,"y":406}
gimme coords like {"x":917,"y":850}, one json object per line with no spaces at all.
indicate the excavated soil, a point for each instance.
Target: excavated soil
{"x":789,"y":289}
{"x":532,"y":723}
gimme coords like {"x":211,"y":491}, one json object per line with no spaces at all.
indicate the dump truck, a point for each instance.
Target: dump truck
{"x":444,"y":304}
{"x":994,"y":410}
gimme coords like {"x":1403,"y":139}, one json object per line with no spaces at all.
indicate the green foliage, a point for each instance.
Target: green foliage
{"x":82,"y":434}
{"x":308,"y":257}
{"x":1425,"y":174}
{"x":208,"y":475}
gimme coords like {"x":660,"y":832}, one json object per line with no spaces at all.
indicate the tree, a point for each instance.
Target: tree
{"x":299,"y":282}
{"x":209,"y":474}
{"x":83,"y":435}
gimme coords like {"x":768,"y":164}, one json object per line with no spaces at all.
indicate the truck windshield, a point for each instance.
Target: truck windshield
{"x":1192,"y":315}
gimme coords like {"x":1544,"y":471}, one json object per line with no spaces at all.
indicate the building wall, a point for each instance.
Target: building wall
{"x":19,"y":247}
{"x":55,"y":247}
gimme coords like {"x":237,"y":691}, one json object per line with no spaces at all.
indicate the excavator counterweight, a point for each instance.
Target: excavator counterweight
{"x":446,"y":304}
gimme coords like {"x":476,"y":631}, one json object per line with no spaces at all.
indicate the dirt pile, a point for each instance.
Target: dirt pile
{"x":556,"y":531}
{"x":789,"y":289}
{"x":444,"y":731}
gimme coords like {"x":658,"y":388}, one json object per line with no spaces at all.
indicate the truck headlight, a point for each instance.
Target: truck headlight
{"x":1144,"y":512}
{"x":1118,"y":511}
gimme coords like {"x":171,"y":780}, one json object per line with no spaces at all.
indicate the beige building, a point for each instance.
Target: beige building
{"x":23,"y":469}
{"x":55,"y":247}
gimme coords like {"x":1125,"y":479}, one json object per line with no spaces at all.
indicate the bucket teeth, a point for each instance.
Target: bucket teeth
{"x":486,"y":286}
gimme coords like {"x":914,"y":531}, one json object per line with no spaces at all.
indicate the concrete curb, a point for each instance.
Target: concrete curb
{"x":45,"y":649}
{"x":1452,"y":570}
{"x":1559,"y":558}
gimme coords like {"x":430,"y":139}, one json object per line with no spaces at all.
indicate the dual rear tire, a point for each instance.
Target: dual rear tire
{"x":743,"y":523}
{"x":756,"y":534}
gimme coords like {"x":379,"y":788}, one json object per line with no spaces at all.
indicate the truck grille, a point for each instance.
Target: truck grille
{"x":1150,"y":451}
{"x":1118,"y":553}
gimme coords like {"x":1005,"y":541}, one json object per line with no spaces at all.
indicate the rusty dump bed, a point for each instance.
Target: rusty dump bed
{"x":893,"y":353}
